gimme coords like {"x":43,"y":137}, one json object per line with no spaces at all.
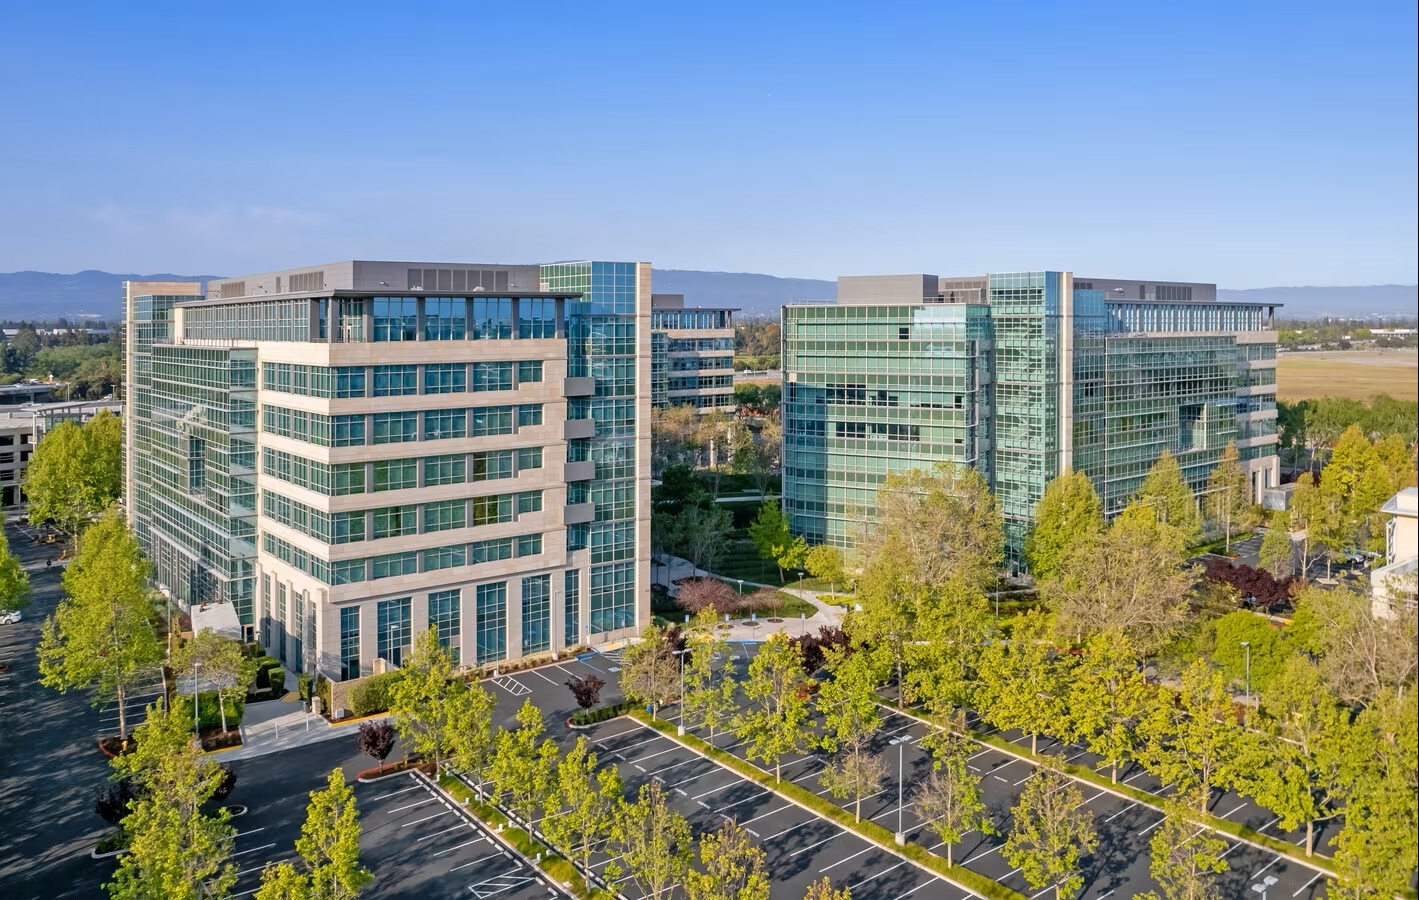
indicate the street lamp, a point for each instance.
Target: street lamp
{"x":681,"y":653}
{"x":1246,"y":646}
{"x":901,"y":780}
{"x":1262,"y":886}
{"x":196,"y":689}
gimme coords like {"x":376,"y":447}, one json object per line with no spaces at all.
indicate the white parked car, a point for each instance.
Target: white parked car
{"x":10,"y":618}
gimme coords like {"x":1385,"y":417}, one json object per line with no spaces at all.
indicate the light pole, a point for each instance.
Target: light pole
{"x":1246,"y":646}
{"x":196,"y":693}
{"x":1262,"y":886}
{"x":681,"y":653}
{"x":901,"y":781}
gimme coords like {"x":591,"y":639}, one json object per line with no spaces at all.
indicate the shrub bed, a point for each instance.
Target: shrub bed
{"x":582,"y":718}
{"x":209,"y":716}
{"x":372,"y":694}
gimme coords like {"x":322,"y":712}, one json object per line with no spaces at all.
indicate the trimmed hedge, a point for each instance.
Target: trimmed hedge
{"x":372,"y":694}
{"x":957,"y":874}
{"x":264,"y":664}
{"x":602,"y":713}
{"x":209,"y":716}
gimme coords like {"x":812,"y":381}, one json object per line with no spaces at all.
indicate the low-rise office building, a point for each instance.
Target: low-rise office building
{"x":1023,"y":376}
{"x":354,"y":453}
{"x":22,"y":428}
{"x":693,"y":352}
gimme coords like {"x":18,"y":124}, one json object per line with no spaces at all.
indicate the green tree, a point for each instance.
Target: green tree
{"x":1229,"y":501}
{"x":822,"y":889}
{"x":101,"y":637}
{"x":582,"y":804}
{"x":329,"y":847}
{"x":1023,"y":684}
{"x":418,"y":701}
{"x":1297,"y":762}
{"x":521,"y":770}
{"x":769,"y":530}
{"x":949,"y":799}
{"x":847,"y":701}
{"x":1068,"y":517}
{"x":1133,"y":578}
{"x":1316,"y":514}
{"x":699,"y":534}
{"x":1171,"y":501}
{"x":1362,"y":655}
{"x":1190,"y":736}
{"x":14,"y":582}
{"x":650,"y":841}
{"x":709,"y":687}
{"x":935,"y":526}
{"x":1356,"y":478}
{"x":886,"y":615}
{"x":1185,"y":858}
{"x":176,"y":849}
{"x":218,"y":661}
{"x":1277,"y":555}
{"x":825,"y":561}
{"x":733,"y":867}
{"x":1106,"y":697}
{"x":950,"y":631}
{"x":650,"y":671}
{"x":1049,"y":832}
{"x":1264,"y":653}
{"x":1375,"y":851}
{"x":471,"y":746}
{"x":75,"y":473}
{"x":775,"y":722}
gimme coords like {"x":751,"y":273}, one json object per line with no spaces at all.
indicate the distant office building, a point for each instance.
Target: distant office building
{"x":22,"y":428}
{"x":693,"y":353}
{"x":1393,"y":585}
{"x":354,"y":453}
{"x":1022,"y":376}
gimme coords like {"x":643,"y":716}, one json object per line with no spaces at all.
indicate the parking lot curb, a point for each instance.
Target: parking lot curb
{"x":553,"y":886}
{"x":768,"y":784}
{"x":1208,"y":822}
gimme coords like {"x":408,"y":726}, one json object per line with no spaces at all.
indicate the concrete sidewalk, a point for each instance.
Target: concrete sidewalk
{"x":749,"y":629}
{"x":275,"y":725}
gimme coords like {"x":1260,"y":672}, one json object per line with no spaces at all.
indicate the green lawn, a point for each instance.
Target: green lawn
{"x":742,"y":560}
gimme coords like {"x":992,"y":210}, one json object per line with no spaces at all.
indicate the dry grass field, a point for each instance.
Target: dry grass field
{"x":1348,"y":373}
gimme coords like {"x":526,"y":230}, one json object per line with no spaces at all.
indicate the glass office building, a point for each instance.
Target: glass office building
{"x":1024,"y":376}
{"x":356,"y":453}
{"x":692,"y":352}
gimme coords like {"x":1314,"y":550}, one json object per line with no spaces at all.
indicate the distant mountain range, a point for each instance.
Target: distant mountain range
{"x":46,"y":295}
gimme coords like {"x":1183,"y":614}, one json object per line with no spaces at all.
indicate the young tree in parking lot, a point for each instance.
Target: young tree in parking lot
{"x":733,"y":867}
{"x":376,"y":740}
{"x":822,"y":889}
{"x":470,"y":720}
{"x":1277,"y":555}
{"x":1023,"y":684}
{"x":75,"y":473}
{"x":775,"y":722}
{"x":1186,"y":859}
{"x":1068,"y":517}
{"x":521,"y":770}
{"x":1298,"y":758}
{"x":329,"y":847}
{"x":853,"y":773}
{"x":943,"y":660}
{"x":1050,"y":830}
{"x":709,"y":687}
{"x":650,"y":842}
{"x":1190,"y":736}
{"x":847,"y":701}
{"x":581,"y":805}
{"x":949,"y":798}
{"x":14,"y":582}
{"x":1106,"y":697}
{"x":650,"y":670}
{"x":176,"y":849}
{"x":419,"y":697}
{"x":101,"y":635}
{"x":586,"y":689}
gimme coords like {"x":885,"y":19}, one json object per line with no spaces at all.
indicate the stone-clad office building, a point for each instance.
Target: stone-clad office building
{"x":355,"y":452}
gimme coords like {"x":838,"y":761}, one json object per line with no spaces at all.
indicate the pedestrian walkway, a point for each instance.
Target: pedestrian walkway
{"x":276,"y":725}
{"x":827,"y":614}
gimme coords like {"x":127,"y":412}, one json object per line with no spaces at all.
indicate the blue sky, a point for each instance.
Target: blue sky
{"x":1249,"y":144}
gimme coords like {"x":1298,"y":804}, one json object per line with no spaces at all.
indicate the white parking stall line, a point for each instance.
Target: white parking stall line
{"x":655,"y":754}
{"x":879,"y":874}
{"x":1269,"y":824}
{"x":543,"y":677}
{"x":445,"y":831}
{"x":1023,"y":780}
{"x":1307,"y":884}
{"x":1257,"y":873}
{"x":982,"y":753}
{"x":1121,"y":812}
{"x":657,"y":773}
{"x":740,"y":802}
{"x":607,"y":737}
{"x":811,"y":846}
{"x":460,"y":846}
{"x":718,"y":789}
{"x":412,"y":805}
{"x":254,"y":849}
{"x":395,"y":793}
{"x":788,"y":829}
{"x":1154,"y":825}
{"x":868,"y":849}
{"x":269,"y":862}
{"x":498,"y":884}
{"x":1139,"y":774}
{"x":1093,"y":798}
{"x":648,"y":740}
{"x":252,"y":831}
{"x":980,"y":854}
{"x":426,"y":818}
{"x":917,"y":888}
{"x":891,"y":809}
{"x":1230,"y":811}
{"x":767,"y":814}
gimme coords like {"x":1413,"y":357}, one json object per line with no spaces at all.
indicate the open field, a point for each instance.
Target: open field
{"x":1358,"y":374}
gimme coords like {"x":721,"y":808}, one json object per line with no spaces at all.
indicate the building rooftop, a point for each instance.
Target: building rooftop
{"x":1404,"y":503}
